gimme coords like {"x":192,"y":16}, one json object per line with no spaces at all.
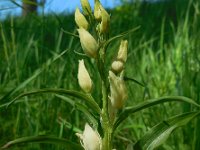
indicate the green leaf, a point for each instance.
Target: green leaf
{"x":90,"y":117}
{"x":159,"y":133}
{"x":120,"y":35}
{"x":69,"y":33}
{"x":130,"y":110}
{"x":82,"y":108}
{"x":87,"y":98}
{"x":134,"y":80}
{"x":42,"y":139}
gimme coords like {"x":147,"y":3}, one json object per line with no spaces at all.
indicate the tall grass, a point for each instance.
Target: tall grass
{"x":164,"y":56}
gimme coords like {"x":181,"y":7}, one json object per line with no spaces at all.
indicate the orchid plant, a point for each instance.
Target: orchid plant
{"x":105,"y":117}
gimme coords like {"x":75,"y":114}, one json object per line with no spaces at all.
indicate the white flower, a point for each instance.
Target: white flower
{"x":80,"y":19}
{"x":97,"y":10}
{"x":102,"y":16}
{"x":88,"y":43}
{"x":87,"y":10}
{"x":90,"y":139}
{"x":118,"y":91}
{"x":117,"y":66}
{"x":105,"y":22}
{"x":84,"y":79}
{"x":122,"y":53}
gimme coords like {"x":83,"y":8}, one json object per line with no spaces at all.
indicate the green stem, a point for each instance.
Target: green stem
{"x":106,"y":124}
{"x":107,"y":140}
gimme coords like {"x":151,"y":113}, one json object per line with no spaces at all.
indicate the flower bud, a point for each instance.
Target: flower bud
{"x":88,"y":43}
{"x":118,"y":91}
{"x":117,"y":66}
{"x":97,"y":10}
{"x":84,"y":78}
{"x":80,"y":19}
{"x":122,"y":53}
{"x":105,"y":21}
{"x":90,"y":139}
{"x":87,"y":10}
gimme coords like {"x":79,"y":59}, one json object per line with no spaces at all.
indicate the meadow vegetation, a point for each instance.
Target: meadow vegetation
{"x":163,"y":55}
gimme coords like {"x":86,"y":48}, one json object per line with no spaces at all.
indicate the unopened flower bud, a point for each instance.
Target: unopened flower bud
{"x":97,"y":10}
{"x":118,"y":90}
{"x":122,"y":53}
{"x":80,"y":19}
{"x":87,"y":10}
{"x":88,"y":43}
{"x":90,"y":139}
{"x":84,"y":79}
{"x":117,"y":66}
{"x":105,"y":21}
{"x":102,"y":16}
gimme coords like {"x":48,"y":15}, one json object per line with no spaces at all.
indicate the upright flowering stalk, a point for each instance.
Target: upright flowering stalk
{"x":112,"y":85}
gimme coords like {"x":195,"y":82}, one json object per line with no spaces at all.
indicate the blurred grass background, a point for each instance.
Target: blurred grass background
{"x":163,"y":54}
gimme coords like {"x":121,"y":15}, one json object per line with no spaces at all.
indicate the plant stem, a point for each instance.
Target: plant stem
{"x":106,"y":124}
{"x":107,"y":139}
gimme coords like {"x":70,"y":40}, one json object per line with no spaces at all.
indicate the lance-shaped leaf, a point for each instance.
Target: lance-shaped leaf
{"x":159,"y":133}
{"x":134,"y":80}
{"x":91,"y":118}
{"x":42,"y":139}
{"x":120,"y":36}
{"x":130,"y":110}
{"x":88,"y":99}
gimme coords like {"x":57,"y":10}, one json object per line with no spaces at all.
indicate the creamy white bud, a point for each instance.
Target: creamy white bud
{"x":117,"y":66}
{"x":84,"y":79}
{"x":118,"y":90}
{"x":105,"y":21}
{"x":80,"y":19}
{"x":88,"y":43}
{"x":102,"y":16}
{"x":87,"y":10}
{"x":97,"y":10}
{"x":122,"y":53}
{"x":90,"y":139}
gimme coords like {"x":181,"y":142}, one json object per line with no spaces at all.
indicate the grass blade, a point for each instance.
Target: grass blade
{"x":42,"y":139}
{"x":35,"y":74}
